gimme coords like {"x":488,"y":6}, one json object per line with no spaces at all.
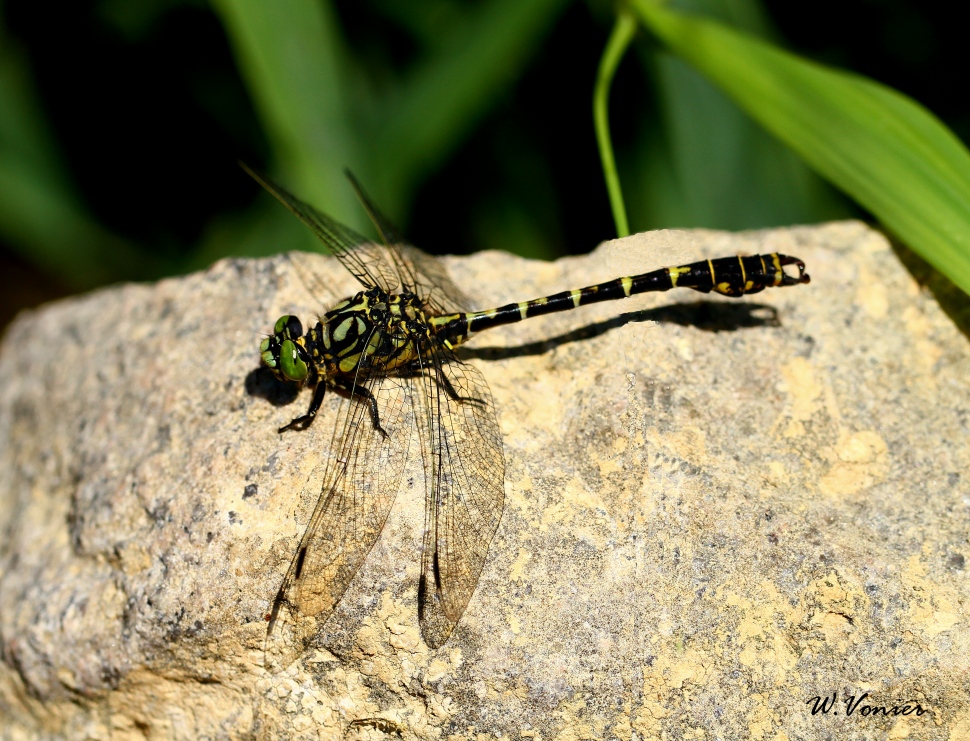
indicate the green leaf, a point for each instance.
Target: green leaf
{"x":884,"y":150}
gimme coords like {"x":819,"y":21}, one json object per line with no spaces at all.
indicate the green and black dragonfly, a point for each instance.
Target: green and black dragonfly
{"x":391,"y":349}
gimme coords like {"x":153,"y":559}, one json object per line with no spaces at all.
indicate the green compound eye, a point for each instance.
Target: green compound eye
{"x":266,"y":354}
{"x":294,"y":327}
{"x":292,"y":366}
{"x":289,"y":326}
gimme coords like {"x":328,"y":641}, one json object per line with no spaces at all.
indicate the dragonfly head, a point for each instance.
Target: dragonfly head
{"x":284,"y":352}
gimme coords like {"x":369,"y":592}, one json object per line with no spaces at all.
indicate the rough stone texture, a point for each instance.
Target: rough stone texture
{"x":711,"y":517}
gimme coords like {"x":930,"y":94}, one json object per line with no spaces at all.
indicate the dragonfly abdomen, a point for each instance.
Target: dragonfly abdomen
{"x":730,"y":276}
{"x":734,"y":276}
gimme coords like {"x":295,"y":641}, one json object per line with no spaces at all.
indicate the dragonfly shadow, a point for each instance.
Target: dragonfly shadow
{"x":709,"y":316}
{"x":262,"y":383}
{"x":954,"y":302}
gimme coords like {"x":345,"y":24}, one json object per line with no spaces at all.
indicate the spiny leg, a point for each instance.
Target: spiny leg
{"x":441,"y":379}
{"x":302,"y":423}
{"x":358,"y":392}
{"x":361,"y":393}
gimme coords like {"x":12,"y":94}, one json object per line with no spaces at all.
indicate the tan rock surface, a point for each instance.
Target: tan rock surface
{"x":710,"y":518}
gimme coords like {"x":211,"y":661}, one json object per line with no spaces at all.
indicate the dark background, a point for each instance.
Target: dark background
{"x":148,"y":116}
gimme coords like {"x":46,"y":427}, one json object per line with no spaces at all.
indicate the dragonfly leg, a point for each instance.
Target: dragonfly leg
{"x":442,"y":380}
{"x":361,"y":393}
{"x":301,"y":423}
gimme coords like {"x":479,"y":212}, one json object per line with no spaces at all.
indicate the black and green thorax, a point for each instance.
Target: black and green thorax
{"x":371,"y":329}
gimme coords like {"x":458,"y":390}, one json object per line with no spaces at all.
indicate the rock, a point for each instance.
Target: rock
{"x":715,"y":512}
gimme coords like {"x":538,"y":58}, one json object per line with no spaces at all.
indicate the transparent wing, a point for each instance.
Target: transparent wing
{"x":361,"y":256}
{"x":433,"y":284}
{"x":421,"y":273}
{"x":361,"y":481}
{"x":465,"y":491}
{"x":318,"y":286}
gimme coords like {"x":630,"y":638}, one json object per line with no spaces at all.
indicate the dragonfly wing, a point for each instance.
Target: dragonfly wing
{"x":465,"y":490}
{"x":419,"y":272}
{"x":361,"y":481}
{"x":361,"y":256}
{"x":434,"y":285}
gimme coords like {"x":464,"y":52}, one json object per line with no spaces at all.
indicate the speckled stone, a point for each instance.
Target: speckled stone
{"x":715,"y":511}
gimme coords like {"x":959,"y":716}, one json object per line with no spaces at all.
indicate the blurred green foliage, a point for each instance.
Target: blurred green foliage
{"x":468,"y":120}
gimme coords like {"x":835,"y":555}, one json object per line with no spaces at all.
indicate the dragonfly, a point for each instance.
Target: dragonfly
{"x":390,"y":350}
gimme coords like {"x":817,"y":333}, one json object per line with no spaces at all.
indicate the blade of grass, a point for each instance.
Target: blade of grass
{"x":303,"y":82}
{"x":886,"y":151}
{"x":298,"y":72}
{"x":623,"y":31}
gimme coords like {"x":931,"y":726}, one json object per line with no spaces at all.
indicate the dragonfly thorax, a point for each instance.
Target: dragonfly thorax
{"x":368,"y":327}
